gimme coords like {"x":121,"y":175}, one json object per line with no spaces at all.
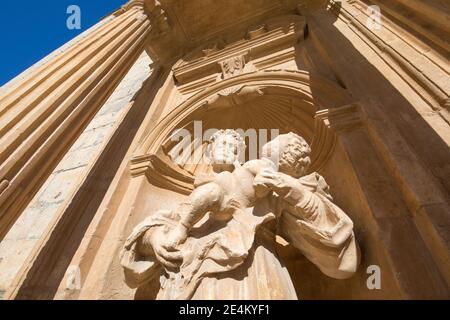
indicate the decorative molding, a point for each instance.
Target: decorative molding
{"x":279,"y":99}
{"x":3,"y":185}
{"x":198,"y":85}
{"x":139,"y":165}
{"x":274,"y":59}
{"x":234,"y":96}
{"x":342,"y":119}
{"x":158,"y":17}
{"x":327,"y":94}
{"x":232,"y":66}
{"x":253,"y":33}
{"x":148,"y":9}
{"x":269,"y":40}
{"x":329,"y":124}
{"x":130,"y":5}
{"x":426,"y":19}
{"x":162,"y":172}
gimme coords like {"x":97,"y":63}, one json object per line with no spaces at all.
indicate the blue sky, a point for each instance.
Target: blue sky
{"x":32,"y":29}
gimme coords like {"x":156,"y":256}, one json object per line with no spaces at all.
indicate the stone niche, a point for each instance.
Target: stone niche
{"x":290,"y":101}
{"x":261,"y":100}
{"x":266,"y":80}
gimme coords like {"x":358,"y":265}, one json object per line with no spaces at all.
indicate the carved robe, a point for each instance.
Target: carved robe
{"x":238,"y":260}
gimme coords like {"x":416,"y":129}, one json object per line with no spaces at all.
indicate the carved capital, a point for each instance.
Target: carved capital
{"x":130,"y":5}
{"x":150,"y":9}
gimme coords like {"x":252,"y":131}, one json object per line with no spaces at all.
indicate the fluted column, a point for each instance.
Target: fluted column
{"x":41,"y":117}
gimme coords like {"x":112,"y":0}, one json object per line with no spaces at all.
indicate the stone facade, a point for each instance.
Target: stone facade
{"x":61,"y":185}
{"x":87,"y":149}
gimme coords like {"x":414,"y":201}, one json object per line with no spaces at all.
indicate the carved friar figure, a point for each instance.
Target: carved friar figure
{"x":220,"y":243}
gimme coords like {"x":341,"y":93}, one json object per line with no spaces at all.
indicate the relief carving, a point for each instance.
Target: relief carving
{"x":220,"y":243}
{"x":232,"y":66}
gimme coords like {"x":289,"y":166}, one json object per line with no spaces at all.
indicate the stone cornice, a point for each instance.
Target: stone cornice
{"x":269,"y":38}
{"x":131,"y":4}
{"x":329,"y":124}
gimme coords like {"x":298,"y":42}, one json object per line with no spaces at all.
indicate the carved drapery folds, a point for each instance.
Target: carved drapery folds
{"x":43,"y":115}
{"x":226,"y":228}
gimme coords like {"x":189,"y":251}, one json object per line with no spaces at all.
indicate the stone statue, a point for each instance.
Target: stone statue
{"x":220,"y":243}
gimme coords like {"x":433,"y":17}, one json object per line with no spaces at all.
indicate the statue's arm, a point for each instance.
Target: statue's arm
{"x":315,"y":225}
{"x":158,"y":235}
{"x":323,"y":233}
{"x":321,"y":218}
{"x":205,"y":198}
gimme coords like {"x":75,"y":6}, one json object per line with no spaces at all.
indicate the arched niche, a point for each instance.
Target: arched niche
{"x":317,"y":108}
{"x":288,"y":101}
{"x":297,"y":101}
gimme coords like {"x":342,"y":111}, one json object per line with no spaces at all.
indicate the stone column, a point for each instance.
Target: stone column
{"x":41,"y":117}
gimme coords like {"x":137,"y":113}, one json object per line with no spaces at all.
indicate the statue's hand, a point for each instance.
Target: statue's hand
{"x":279,"y":182}
{"x":164,"y":248}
